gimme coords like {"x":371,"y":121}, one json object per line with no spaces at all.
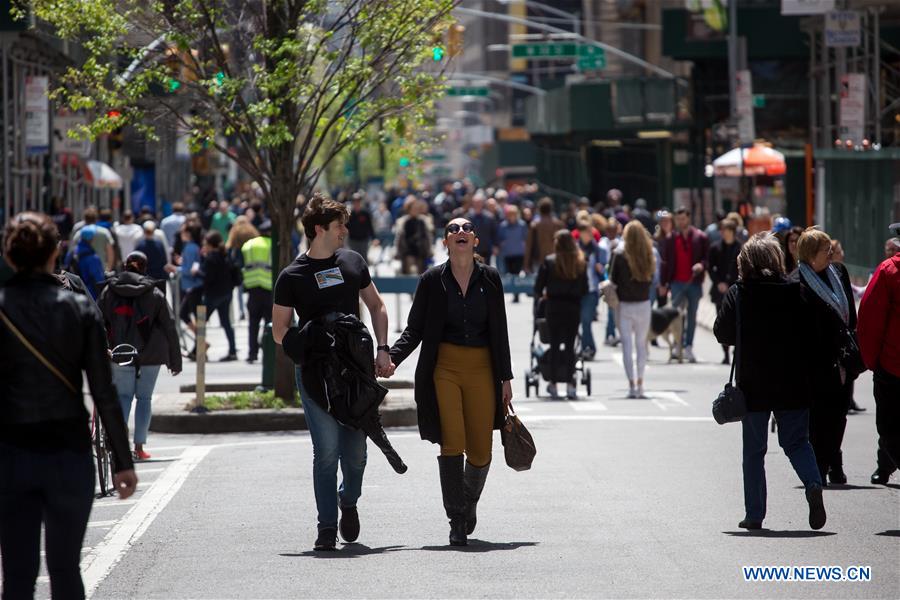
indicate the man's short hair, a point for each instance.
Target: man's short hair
{"x":810,"y":243}
{"x":729,"y":224}
{"x":90,"y":215}
{"x":545,"y":206}
{"x":178,"y":207}
{"x":322,"y":211}
{"x":683,"y":210}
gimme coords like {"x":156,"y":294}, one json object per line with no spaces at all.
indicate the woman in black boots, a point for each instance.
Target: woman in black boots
{"x":463,"y":376}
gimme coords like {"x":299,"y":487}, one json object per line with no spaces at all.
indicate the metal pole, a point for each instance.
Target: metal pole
{"x":813,"y":120}
{"x":732,"y":57}
{"x":201,"y":360}
{"x":877,"y":77}
{"x":4,"y":97}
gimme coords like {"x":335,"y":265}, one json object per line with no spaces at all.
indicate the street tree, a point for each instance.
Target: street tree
{"x":279,"y":86}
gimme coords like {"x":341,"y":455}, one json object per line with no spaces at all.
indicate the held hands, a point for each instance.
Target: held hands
{"x":697,"y":268}
{"x":723,"y":287}
{"x":384,"y":367}
{"x":507,"y":393}
{"x":125,"y":483}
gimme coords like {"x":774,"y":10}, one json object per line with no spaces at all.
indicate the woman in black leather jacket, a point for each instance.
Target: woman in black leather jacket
{"x":46,"y":467}
{"x":562,"y":281}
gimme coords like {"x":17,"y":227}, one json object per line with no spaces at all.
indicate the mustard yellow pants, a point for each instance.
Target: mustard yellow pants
{"x":464,"y":383}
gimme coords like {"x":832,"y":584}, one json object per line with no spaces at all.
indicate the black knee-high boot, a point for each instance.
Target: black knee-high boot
{"x":474,"y":479}
{"x":452,"y":489}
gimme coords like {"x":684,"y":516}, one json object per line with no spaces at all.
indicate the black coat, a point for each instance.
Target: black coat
{"x":426,"y":325}
{"x":829,"y":329}
{"x":773,"y":375}
{"x":335,"y":353}
{"x":723,"y":266}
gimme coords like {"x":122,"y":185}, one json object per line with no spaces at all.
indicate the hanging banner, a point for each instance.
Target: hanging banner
{"x":852,"y":124}
{"x":37,"y":115}
{"x":806,"y":7}
{"x":842,"y":29}
{"x":62,"y":143}
{"x":744,"y":101}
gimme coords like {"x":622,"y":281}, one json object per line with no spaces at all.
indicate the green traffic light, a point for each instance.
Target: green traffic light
{"x":220,"y":78}
{"x":174,"y":84}
{"x":437,"y":53}
{"x":404,"y":162}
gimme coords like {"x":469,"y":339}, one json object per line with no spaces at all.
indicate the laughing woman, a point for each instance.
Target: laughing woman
{"x":463,"y":375}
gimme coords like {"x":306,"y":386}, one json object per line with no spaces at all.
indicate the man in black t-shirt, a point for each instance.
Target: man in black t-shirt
{"x":329,"y":278}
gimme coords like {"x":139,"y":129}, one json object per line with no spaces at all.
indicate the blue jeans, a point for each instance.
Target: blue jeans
{"x":610,"y":324}
{"x":588,"y":311}
{"x":692,"y":292}
{"x":54,"y":488}
{"x":223,"y":306}
{"x":793,"y":437}
{"x":333,"y":443}
{"x":128,"y":387}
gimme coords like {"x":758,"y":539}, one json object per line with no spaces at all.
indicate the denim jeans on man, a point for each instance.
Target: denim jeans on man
{"x":690,"y":292}
{"x":589,"y":304}
{"x":332,"y":444}
{"x":128,"y":387}
{"x":56,"y":488}
{"x":793,"y":437}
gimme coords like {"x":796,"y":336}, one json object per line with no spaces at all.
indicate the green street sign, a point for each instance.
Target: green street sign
{"x":591,"y":63}
{"x":597,"y":51}
{"x":545,"y":50}
{"x":759,"y":100}
{"x":467,"y":91}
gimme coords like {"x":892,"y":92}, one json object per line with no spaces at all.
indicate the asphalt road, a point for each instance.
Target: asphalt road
{"x":627,"y":498}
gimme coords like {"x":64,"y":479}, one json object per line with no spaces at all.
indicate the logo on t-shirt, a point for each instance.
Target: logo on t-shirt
{"x":329,"y":278}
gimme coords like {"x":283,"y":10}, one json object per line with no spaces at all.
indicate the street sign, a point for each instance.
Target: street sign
{"x":759,"y":100}
{"x":842,"y":29}
{"x":467,"y":91}
{"x":595,"y":51}
{"x":545,"y":50}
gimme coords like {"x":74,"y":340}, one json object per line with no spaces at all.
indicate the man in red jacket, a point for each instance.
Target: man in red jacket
{"x":879,"y":341}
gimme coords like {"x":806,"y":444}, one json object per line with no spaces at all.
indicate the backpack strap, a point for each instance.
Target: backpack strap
{"x":37,"y":353}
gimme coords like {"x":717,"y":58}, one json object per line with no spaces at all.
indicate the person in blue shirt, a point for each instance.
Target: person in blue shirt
{"x":511,"y":237}
{"x":84,"y":262}
{"x":191,"y":284}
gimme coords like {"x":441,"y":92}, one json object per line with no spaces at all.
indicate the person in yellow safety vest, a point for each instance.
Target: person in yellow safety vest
{"x":257,"y":270}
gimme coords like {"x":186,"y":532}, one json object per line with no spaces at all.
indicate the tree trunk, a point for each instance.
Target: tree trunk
{"x":281,"y":206}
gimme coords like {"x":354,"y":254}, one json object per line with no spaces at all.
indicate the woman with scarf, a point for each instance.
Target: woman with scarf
{"x":827,"y":284}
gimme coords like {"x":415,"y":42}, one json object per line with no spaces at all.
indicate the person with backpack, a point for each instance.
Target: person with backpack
{"x":135,"y":312}
{"x":84,"y":262}
{"x":220,"y":277}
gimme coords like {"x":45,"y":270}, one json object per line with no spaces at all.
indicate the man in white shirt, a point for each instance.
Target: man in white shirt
{"x":128,"y":232}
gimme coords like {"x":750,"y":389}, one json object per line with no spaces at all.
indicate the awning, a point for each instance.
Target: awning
{"x":101,"y":175}
{"x":758,"y":160}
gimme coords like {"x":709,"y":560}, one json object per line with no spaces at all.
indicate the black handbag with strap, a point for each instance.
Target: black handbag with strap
{"x":731,"y":405}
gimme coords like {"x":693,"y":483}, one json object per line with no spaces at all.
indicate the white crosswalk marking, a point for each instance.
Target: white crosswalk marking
{"x":587,"y":406}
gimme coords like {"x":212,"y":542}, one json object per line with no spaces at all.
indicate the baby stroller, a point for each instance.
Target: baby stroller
{"x":539,"y":363}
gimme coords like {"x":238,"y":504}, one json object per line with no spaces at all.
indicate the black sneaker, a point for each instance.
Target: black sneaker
{"x":816,"y":507}
{"x":748,"y":524}
{"x":349,"y":523}
{"x":880,"y":478}
{"x":327,"y":540}
{"x":229,"y":358}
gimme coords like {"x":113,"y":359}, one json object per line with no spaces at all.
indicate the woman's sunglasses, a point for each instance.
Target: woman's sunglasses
{"x":455,"y":227}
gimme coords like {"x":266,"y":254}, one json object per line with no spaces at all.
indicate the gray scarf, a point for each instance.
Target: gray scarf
{"x":833,"y":296}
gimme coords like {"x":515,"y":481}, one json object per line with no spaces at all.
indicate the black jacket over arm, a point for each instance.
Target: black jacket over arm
{"x":773,"y":375}
{"x":425,"y":325}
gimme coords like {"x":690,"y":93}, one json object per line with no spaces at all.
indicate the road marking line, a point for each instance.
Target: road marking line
{"x":589,"y":406}
{"x":658,"y":404}
{"x":156,"y":470}
{"x":111,"y":501}
{"x":670,"y":396}
{"x":129,"y":529}
{"x":589,"y":417}
{"x":102,"y":523}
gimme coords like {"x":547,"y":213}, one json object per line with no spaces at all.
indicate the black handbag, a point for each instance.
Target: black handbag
{"x":518,"y":445}
{"x":731,"y":405}
{"x":850,"y":355}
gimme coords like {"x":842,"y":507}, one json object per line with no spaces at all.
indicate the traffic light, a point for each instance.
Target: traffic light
{"x":404,"y":162}
{"x":437,"y":53}
{"x":455,"y":35}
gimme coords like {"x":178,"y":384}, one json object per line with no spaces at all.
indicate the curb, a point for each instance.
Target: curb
{"x":243,"y":386}
{"x":245,"y":421}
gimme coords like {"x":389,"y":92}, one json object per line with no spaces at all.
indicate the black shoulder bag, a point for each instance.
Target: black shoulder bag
{"x":731,"y":406}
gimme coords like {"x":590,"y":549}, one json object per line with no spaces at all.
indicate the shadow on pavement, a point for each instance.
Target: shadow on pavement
{"x":476,"y":545}
{"x":836,"y":487}
{"x":769,"y":533}
{"x":351,"y":550}
{"x":890,"y":533}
